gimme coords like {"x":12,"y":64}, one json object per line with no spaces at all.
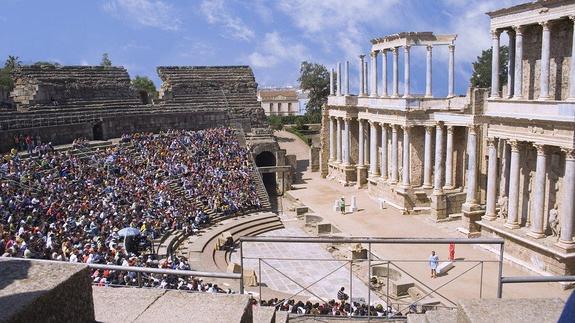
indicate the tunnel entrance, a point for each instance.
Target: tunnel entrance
{"x":98,"y":132}
{"x":266,"y":158}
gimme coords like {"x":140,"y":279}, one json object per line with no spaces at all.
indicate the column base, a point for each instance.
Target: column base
{"x":427,"y":186}
{"x":428,"y":96}
{"x":565,"y":245}
{"x":515,"y":97}
{"x":536,"y":235}
{"x":512,"y":226}
{"x":438,"y":207}
{"x":450,"y":187}
{"x":449,"y":96}
{"x":472,"y":214}
{"x":544,"y":98}
{"x":361,"y":176}
{"x":570,"y":99}
{"x":489,"y":217}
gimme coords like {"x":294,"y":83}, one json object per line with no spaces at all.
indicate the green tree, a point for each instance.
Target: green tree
{"x":106,"y":62}
{"x":314,"y":78}
{"x":481,"y":76}
{"x":46,"y":63}
{"x":143,"y":83}
{"x":12,"y":63}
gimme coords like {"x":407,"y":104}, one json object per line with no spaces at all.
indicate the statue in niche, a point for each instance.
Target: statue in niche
{"x":502,"y":202}
{"x":400,"y":174}
{"x":554,"y":222}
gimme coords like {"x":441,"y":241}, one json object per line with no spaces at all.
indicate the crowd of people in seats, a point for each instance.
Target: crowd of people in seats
{"x":61,"y":207}
{"x":333,"y":307}
{"x":31,"y":144}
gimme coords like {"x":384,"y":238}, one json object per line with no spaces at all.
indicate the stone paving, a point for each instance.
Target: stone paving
{"x":300,"y":268}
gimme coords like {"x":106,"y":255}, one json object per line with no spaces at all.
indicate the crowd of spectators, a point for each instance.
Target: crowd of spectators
{"x":61,"y":207}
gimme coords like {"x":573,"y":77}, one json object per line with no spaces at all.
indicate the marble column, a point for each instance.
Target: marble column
{"x":394,"y":154}
{"x":513,"y":202}
{"x":383,"y":162}
{"x":346,"y":152}
{"x":511,"y":65}
{"x":338,"y":90}
{"x":361,"y":153}
{"x":346,"y":75}
{"x":572,"y":70}
{"x":428,"y":70}
{"x":545,"y":61}
{"x":438,"y":179}
{"x":406,"y":72}
{"x":451,"y":72}
{"x":504,"y":172}
{"x":449,"y":159}
{"x":331,"y":87}
{"x":332,"y":153}
{"x":338,"y":137}
{"x":365,"y":82}
{"x":361,"y":76}
{"x":406,"y":164}
{"x":518,"y":79}
{"x":372,"y":148}
{"x":491,"y":197}
{"x":538,"y":207}
{"x":395,"y":76}
{"x":384,"y":72}
{"x":567,"y":211}
{"x":495,"y":64}
{"x":427,"y":158}
{"x":471,"y":165}
{"x":373,"y":69}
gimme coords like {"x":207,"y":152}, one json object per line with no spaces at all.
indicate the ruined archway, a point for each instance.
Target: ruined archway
{"x":267,"y":158}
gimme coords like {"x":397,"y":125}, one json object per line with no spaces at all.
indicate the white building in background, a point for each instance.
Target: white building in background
{"x":279,"y":102}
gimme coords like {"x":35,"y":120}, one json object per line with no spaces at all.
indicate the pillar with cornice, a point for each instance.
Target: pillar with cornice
{"x":406,"y":164}
{"x":567,"y":211}
{"x":384,"y":72}
{"x":427,"y":158}
{"x":346,"y":137}
{"x":471,"y":165}
{"x":406,"y":72}
{"x":538,"y":207}
{"x":373,"y":149}
{"x":438,"y":180}
{"x":518,"y":79}
{"x":331,"y":87}
{"x":495,"y":64}
{"x":491,"y":181}
{"x":451,"y":72}
{"x":394,"y":154}
{"x":383,"y":162}
{"x":513,"y":202}
{"x":373,"y":70}
{"x":449,"y":159}
{"x":545,"y":61}
{"x":395,"y":76}
{"x":428,"y":70}
{"x":346,"y":75}
{"x":361,"y":168}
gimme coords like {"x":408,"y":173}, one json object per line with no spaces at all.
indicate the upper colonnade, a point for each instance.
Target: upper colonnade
{"x":396,"y":43}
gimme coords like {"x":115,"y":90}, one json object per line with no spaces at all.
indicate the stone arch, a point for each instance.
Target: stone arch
{"x":266,"y":158}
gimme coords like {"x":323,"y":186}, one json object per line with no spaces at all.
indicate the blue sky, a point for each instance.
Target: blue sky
{"x":272,"y":36}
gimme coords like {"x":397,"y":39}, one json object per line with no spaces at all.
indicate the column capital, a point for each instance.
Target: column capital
{"x":394,"y":127}
{"x":362,"y":56}
{"x":429,"y":48}
{"x":406,"y":48}
{"x":510,"y":32}
{"x":545,"y":24}
{"x":394,"y":51}
{"x":405,"y":127}
{"x":384,"y":51}
{"x":495,"y":33}
{"x":346,"y":118}
{"x":491,"y":142}
{"x":451,"y":47}
{"x":429,"y":129}
{"x":518,"y":29}
{"x":450,"y":130}
{"x":515,"y":145}
{"x":472,"y":129}
{"x":569,"y":153}
{"x":541,"y":149}
{"x":373,"y":53}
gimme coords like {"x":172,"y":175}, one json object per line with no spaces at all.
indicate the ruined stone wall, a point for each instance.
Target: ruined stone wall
{"x":561,"y":42}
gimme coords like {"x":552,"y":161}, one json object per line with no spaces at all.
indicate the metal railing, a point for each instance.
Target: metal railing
{"x":371,"y":257}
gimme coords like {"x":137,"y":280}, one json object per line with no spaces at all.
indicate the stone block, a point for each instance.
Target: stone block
{"x":509,"y":310}
{"x":400,"y":287}
{"x":444,"y":267}
{"x":323,"y":228}
{"x":383,"y":271}
{"x":359,"y":254}
{"x":300,"y":210}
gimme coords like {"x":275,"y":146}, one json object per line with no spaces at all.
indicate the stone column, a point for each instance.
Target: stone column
{"x":438,"y":180}
{"x":346,"y":75}
{"x":372,"y":149}
{"x":346,"y":159}
{"x":504,"y":173}
{"x":567,"y":212}
{"x":332,"y":153}
{"x":513,"y":203}
{"x":427,"y":158}
{"x":428,"y":77}
{"x":406,"y":180}
{"x":518,"y":79}
{"x":511,"y":65}
{"x":384,"y":72}
{"x":373,"y":68}
{"x":383,"y":162}
{"x":451,"y":72}
{"x":338,"y":90}
{"x":572,"y":71}
{"x":471,"y":166}
{"x":538,"y":209}
{"x":338,"y":120}
{"x":361,"y":76}
{"x":331,"y":87}
{"x":394,"y":154}
{"x":395,"y":85}
{"x":365,"y":82}
{"x":406,"y":72}
{"x":360,"y":161}
{"x":449,"y":159}
{"x":495,"y":64}
{"x":491,"y":181}
{"x":545,"y":58}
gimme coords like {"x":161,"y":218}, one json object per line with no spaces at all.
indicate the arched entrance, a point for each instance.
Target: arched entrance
{"x":266,"y":158}
{"x":98,"y":132}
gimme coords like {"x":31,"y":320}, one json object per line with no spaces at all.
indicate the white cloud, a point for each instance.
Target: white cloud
{"x":216,"y":13}
{"x":149,"y":13}
{"x":84,"y":62}
{"x":274,"y":49}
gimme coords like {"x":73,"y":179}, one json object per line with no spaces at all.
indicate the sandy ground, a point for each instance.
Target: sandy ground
{"x":370,"y":221}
